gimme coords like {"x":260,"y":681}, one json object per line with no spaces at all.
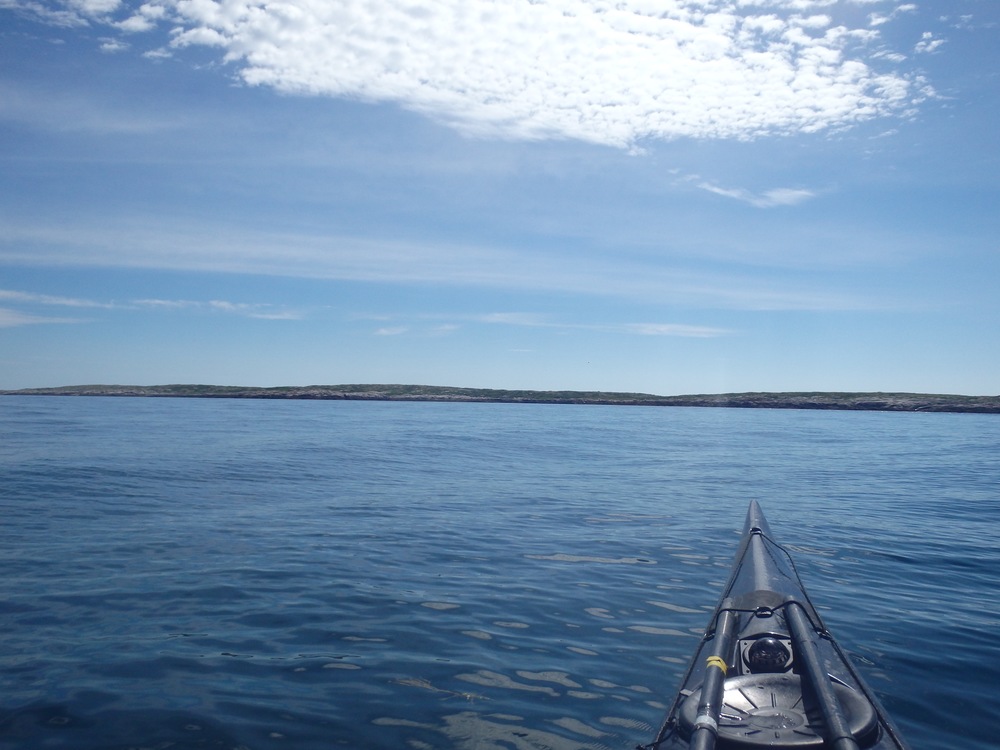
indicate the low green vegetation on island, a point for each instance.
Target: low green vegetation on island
{"x":812,"y":400}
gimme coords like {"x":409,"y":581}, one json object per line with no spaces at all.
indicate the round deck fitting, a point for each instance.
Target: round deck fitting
{"x":768,"y":710}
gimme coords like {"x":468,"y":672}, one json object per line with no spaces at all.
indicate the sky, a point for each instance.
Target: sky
{"x":656,"y":196}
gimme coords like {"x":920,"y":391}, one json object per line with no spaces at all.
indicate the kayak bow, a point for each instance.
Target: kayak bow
{"x":768,"y":673}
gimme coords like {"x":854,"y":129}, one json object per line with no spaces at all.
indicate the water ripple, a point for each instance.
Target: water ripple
{"x":264,"y":575}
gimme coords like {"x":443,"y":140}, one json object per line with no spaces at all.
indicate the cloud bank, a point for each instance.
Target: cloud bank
{"x":614,"y":73}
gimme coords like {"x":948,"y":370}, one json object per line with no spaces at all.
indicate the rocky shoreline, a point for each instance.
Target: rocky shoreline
{"x":908,"y":402}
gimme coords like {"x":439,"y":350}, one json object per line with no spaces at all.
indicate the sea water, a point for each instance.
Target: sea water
{"x":272,"y":575}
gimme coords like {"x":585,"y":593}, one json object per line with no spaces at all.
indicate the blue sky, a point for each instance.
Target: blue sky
{"x":664,"y":196}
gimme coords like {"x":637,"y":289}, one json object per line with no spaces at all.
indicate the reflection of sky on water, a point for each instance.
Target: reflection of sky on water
{"x":497,"y":729}
{"x":317,"y":572}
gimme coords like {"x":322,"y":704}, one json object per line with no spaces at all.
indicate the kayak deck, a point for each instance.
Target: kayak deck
{"x":767,"y":672}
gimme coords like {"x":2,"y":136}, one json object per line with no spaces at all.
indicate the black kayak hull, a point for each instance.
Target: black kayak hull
{"x":768,"y":673}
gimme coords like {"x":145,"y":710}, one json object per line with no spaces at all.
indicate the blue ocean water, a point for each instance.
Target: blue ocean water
{"x":186,"y":573}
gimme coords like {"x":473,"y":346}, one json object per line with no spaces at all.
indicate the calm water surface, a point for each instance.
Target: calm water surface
{"x":295,"y":575}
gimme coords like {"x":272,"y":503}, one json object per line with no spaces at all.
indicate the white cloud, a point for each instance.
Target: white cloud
{"x":927,"y":43}
{"x":515,"y":319}
{"x":113,"y":45}
{"x":15,"y":318}
{"x":259,"y":311}
{"x":533,"y":320}
{"x":152,"y":244}
{"x":674,"y":329}
{"x":786,"y":196}
{"x":590,"y":70}
{"x":41,"y":12}
{"x":12,"y":295}
{"x":73,"y":13}
{"x":894,"y":57}
{"x":767,"y":199}
{"x":94,"y":7}
{"x":145,"y":19}
{"x":970,"y":22}
{"x":157,"y":54}
{"x":879,"y":19}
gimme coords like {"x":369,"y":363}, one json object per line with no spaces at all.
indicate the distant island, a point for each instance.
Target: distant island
{"x":911,"y":402}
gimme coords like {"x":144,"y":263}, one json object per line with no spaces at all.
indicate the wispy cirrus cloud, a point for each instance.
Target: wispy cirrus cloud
{"x":766,"y":199}
{"x":614,"y":74}
{"x":539,"y":320}
{"x":29,"y":303}
{"x":535,"y":320}
{"x":674,"y":329}
{"x":11,"y":295}
{"x":514,"y":319}
{"x":391,"y":330}
{"x":150,"y":244}
{"x":262,"y":311}
{"x":15,"y":318}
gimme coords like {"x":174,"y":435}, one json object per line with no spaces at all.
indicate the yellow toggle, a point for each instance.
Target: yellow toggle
{"x":716,"y":661}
